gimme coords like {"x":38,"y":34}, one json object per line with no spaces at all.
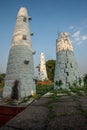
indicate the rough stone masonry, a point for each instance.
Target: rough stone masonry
{"x":66,"y":69}
{"x":43,"y":72}
{"x":20,"y":69}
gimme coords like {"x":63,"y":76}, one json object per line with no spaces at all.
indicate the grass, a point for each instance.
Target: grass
{"x":77,"y":91}
{"x":85,"y":88}
{"x":36,"y":96}
{"x":73,"y":91}
{"x":53,"y":98}
{"x":25,"y":99}
{"x":51,"y":113}
{"x":43,"y":89}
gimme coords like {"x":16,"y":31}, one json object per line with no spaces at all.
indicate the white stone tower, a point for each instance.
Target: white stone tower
{"x":43,"y":72}
{"x":66,"y":69}
{"x":20,"y":62}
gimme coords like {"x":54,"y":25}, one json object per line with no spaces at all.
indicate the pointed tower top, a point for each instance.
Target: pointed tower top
{"x":63,"y":35}
{"x":63,"y":42}
{"x":22,"y":12}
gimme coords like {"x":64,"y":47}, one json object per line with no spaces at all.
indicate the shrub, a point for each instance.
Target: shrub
{"x":42,"y":89}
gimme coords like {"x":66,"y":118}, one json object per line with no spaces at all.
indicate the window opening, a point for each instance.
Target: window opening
{"x":67,"y":73}
{"x":71,"y":65}
{"x":24,"y":37}
{"x":25,"y":19}
{"x":65,"y":65}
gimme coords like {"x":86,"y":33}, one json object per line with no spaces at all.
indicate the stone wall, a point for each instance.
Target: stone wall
{"x":66,"y":69}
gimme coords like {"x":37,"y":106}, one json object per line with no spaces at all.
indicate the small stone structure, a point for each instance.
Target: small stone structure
{"x":42,"y":67}
{"x":20,"y":62}
{"x":66,"y":69}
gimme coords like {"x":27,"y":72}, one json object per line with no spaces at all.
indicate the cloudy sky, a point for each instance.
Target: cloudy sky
{"x":49,"y":17}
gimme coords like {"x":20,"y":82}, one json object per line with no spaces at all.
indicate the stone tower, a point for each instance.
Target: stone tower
{"x":43,"y":72}
{"x":20,"y":69}
{"x":66,"y":69}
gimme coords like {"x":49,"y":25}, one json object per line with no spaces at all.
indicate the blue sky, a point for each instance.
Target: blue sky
{"x":49,"y":17}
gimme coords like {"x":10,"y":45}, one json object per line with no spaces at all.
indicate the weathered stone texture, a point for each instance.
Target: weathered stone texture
{"x":43,"y":72}
{"x":66,"y":68}
{"x":20,"y":61}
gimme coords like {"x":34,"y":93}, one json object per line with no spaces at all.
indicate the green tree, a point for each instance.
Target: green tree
{"x":2,"y":76}
{"x":50,"y":66}
{"x":80,"y":81}
{"x":85,"y":79}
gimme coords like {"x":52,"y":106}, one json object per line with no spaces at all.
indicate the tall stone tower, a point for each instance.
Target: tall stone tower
{"x":66,"y":69}
{"x":43,"y":72}
{"x":20,"y":69}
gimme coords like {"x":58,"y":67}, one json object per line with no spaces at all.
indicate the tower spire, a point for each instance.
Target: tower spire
{"x":66,"y":69}
{"x":20,"y":62}
{"x":43,"y":72}
{"x":22,"y":12}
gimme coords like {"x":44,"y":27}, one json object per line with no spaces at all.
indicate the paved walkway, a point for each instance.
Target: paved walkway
{"x":52,"y":113}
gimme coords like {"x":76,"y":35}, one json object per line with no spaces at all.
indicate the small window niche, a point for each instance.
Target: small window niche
{"x":26,"y":62}
{"x":65,"y":65}
{"x":67,"y":73}
{"x":71,"y":65}
{"x":24,"y":37}
{"x":25,"y":19}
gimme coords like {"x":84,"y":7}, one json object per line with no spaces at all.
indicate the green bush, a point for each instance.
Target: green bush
{"x":42,"y":89}
{"x":85,"y":88}
{"x":2,"y":76}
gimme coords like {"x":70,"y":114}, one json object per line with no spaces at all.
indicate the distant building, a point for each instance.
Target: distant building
{"x":42,"y":68}
{"x":66,"y":69}
{"x":19,"y":81}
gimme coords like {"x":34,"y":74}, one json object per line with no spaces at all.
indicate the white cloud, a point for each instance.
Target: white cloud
{"x":78,"y":38}
{"x":79,"y":33}
{"x":84,"y":37}
{"x":76,"y":34}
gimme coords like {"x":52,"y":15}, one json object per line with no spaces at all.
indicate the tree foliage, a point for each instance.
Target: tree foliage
{"x":2,"y":76}
{"x":50,"y":66}
{"x":85,"y":79}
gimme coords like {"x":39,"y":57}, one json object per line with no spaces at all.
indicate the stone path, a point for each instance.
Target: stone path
{"x":64,"y":112}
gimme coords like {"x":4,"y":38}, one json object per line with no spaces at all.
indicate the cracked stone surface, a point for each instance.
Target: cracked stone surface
{"x":20,"y":65}
{"x":38,"y":116}
{"x":66,"y":68}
